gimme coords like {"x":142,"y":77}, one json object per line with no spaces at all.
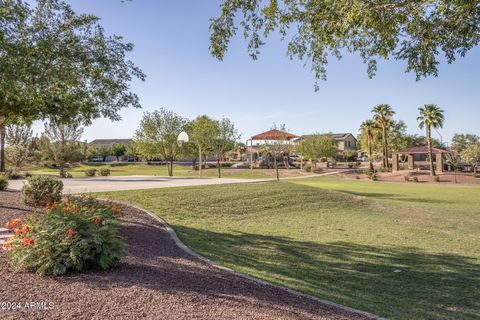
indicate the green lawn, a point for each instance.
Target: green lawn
{"x":178,"y":170}
{"x":339,"y":240}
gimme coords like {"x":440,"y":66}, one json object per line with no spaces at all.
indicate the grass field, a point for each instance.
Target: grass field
{"x":339,"y":240}
{"x":178,"y":170}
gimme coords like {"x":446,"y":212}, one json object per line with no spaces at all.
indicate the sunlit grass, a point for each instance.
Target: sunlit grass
{"x":339,"y":239}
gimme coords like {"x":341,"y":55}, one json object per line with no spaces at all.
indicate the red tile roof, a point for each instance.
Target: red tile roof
{"x":274,"y":135}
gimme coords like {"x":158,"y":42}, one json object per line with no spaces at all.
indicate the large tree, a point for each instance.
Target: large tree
{"x":462,"y":141}
{"x":431,"y":116}
{"x":203,"y":133}
{"x":62,"y":146}
{"x":472,"y":155}
{"x":368,"y":129}
{"x":19,"y":139}
{"x":157,"y":135}
{"x":382,"y":114}
{"x":57,"y":63}
{"x":225,"y":141}
{"x":318,"y":146}
{"x":409,"y":30}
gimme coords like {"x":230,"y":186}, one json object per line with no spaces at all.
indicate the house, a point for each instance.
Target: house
{"x":106,"y":144}
{"x":346,"y":141}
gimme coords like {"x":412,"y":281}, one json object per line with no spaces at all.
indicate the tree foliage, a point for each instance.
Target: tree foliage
{"x":431,"y":116}
{"x":472,"y":155}
{"x":409,"y":30}
{"x":462,"y":141}
{"x":225,"y":140}
{"x":204,"y":132}
{"x":318,"y":146}
{"x":157,"y":135}
{"x":63,"y":146}
{"x":19,"y":141}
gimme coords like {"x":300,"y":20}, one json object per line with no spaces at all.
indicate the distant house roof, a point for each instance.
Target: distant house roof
{"x":274,"y":135}
{"x":336,"y":136}
{"x":420,"y":150}
{"x":109,"y":142}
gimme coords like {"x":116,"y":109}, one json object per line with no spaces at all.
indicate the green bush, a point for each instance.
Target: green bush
{"x":104,"y":172}
{"x":3,"y":182}
{"x":76,"y":235}
{"x":40,"y":190}
{"x":90,"y":172}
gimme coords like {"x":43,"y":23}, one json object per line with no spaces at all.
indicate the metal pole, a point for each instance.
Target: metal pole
{"x":200,"y":161}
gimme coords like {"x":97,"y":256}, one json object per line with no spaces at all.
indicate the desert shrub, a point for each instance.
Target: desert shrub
{"x":3,"y":182}
{"x":104,"y":172}
{"x":436,"y":178}
{"x":203,"y":167}
{"x":40,"y":190}
{"x":350,"y":165}
{"x":28,"y":174}
{"x":307,"y":168}
{"x":76,"y":235}
{"x":406,"y":178}
{"x":415,"y":179}
{"x":372,"y":176}
{"x":90,"y":172}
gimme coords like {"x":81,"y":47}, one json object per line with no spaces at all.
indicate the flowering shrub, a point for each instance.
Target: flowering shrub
{"x":78,"y":234}
{"x":41,"y":190}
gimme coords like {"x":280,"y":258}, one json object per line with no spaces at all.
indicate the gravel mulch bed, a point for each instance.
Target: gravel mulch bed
{"x":157,"y":280}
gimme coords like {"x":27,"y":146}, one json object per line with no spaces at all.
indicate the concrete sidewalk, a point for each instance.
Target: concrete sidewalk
{"x":104,"y":184}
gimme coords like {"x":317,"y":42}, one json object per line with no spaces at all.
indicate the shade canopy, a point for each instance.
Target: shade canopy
{"x":274,"y":135}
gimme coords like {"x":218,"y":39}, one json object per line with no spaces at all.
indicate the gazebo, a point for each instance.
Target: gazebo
{"x":419,"y":154}
{"x":270,"y":135}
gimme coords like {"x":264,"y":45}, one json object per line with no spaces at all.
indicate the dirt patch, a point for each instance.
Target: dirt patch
{"x":157,"y":280}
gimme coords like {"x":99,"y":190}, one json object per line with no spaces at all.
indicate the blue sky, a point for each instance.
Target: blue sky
{"x":171,"y":46}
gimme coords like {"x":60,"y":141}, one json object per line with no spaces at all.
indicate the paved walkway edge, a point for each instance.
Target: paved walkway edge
{"x":182,"y":246}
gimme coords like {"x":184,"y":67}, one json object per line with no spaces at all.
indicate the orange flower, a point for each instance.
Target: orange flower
{"x":96,"y":221}
{"x":27,"y":242}
{"x":70,"y":233}
{"x":23,"y":229}
{"x":69,"y":208}
{"x":7,"y":246}
{"x":117,"y":211}
{"x":12,"y":224}
{"x":51,"y":205}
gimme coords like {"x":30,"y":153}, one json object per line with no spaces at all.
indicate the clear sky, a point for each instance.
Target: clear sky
{"x":171,"y":46}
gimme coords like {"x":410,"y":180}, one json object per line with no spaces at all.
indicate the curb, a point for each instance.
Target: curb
{"x":189,"y":251}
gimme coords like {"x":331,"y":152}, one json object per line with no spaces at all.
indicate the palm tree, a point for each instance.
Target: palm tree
{"x":382,"y":115}
{"x":430,"y":116}
{"x":368,"y":127}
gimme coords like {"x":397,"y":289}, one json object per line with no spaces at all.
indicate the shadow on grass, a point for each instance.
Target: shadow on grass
{"x":429,"y":286}
{"x":397,"y":197}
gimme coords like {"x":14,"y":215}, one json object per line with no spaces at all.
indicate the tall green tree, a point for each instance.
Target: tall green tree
{"x":157,"y":135}
{"x":117,"y":150}
{"x":56,"y":63}
{"x":462,"y":141}
{"x":472,"y":155}
{"x":63,"y":146}
{"x":409,"y":30}
{"x":19,"y":139}
{"x":382,"y":114}
{"x":431,"y":116}
{"x":318,"y":146}
{"x":368,"y":128}
{"x":203,"y":133}
{"x":225,"y":140}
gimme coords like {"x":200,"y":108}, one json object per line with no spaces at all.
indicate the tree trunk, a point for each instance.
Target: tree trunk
{"x":219,"y":169}
{"x":170,"y":171}
{"x":194,"y":161}
{"x":2,"y":147}
{"x":430,"y":153}
{"x":200,"y":161}
{"x":276,"y":167}
{"x":370,"y":152}
{"x":385,"y":147}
